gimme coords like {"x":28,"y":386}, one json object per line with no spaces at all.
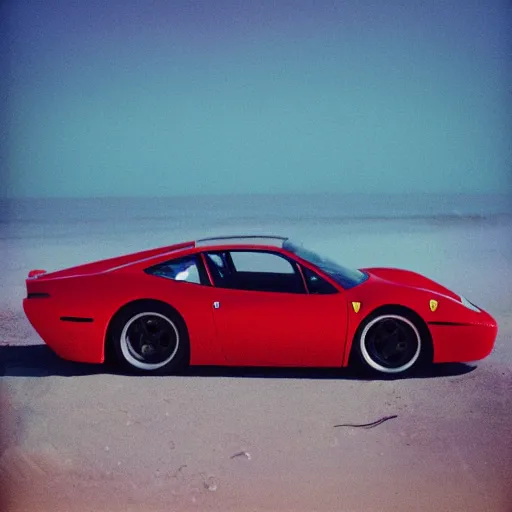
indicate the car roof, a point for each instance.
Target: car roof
{"x":267,"y":240}
{"x":227,"y":242}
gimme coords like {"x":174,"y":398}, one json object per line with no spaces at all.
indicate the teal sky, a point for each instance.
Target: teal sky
{"x":174,"y":98}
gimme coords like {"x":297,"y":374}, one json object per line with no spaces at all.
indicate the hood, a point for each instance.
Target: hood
{"x":410,"y":278}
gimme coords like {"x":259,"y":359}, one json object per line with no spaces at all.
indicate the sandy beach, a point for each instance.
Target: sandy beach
{"x":83,"y":437}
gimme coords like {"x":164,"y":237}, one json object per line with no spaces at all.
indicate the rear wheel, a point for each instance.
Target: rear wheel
{"x":150,"y":338}
{"x":390,"y":343}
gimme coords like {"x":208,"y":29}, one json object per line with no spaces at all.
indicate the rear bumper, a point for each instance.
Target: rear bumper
{"x":463,"y":342}
{"x":73,"y":338}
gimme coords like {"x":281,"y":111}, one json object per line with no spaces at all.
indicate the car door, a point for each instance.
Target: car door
{"x":265,"y":316}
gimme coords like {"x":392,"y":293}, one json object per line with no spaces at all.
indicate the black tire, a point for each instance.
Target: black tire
{"x":150,"y":338}
{"x":391,"y":343}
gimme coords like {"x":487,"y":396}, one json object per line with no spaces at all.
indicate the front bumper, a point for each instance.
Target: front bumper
{"x":460,"y":342}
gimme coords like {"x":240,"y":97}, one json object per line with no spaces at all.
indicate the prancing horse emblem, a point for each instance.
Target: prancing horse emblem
{"x":433,"y":305}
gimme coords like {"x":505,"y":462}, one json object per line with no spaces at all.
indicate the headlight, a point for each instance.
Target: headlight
{"x":469,"y":305}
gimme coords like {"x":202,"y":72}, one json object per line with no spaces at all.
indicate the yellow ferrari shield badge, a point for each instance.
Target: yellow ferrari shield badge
{"x":433,"y":305}
{"x":356,"y":306}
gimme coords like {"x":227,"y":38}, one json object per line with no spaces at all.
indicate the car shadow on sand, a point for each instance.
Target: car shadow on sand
{"x":40,"y":361}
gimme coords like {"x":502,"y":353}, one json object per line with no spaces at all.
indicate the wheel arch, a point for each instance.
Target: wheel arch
{"x":399,"y":309}
{"x":145,"y":302}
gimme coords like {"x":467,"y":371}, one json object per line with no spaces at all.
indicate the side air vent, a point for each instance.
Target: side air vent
{"x":38,"y":295}
{"x":79,"y":319}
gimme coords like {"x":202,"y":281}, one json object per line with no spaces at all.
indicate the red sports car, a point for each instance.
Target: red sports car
{"x":251,"y":301}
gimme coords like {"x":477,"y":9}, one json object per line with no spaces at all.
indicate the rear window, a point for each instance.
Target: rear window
{"x":188,"y":269}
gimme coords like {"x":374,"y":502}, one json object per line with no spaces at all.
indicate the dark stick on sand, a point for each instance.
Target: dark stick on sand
{"x":368,"y":425}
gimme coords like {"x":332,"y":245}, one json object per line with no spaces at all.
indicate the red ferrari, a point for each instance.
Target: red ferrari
{"x":251,"y":301}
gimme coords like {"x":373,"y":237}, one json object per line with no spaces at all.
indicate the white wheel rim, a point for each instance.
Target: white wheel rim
{"x":128,"y":351}
{"x":368,"y":358}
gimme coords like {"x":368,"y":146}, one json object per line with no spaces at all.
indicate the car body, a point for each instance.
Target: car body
{"x":251,"y":301}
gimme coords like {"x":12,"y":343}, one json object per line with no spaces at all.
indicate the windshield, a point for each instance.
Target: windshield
{"x":346,"y":277}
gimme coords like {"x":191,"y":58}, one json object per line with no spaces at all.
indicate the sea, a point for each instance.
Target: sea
{"x":50,"y":217}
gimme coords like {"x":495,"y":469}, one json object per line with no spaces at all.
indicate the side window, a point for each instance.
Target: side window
{"x":254,"y":271}
{"x":218,"y":265}
{"x":218,"y":260}
{"x":182,"y":269}
{"x":247,"y":261}
{"x":317,"y":285}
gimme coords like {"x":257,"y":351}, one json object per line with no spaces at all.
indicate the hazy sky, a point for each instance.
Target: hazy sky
{"x":177,"y":97}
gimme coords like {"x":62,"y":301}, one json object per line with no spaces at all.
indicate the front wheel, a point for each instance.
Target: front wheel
{"x":150,"y":339}
{"x":390,"y":344}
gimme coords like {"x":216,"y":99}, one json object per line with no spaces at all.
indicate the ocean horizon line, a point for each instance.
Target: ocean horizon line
{"x":423,"y":194}
{"x":245,"y":208}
